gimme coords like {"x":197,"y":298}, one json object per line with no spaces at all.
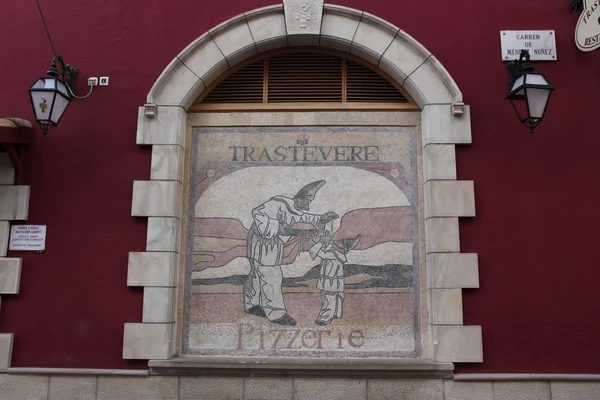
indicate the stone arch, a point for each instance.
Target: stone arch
{"x":444,"y":122}
{"x":342,"y":28}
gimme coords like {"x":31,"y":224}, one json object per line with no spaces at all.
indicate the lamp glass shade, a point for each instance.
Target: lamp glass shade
{"x":49,"y":99}
{"x":530,"y":95}
{"x":537,"y":100}
{"x":516,"y":88}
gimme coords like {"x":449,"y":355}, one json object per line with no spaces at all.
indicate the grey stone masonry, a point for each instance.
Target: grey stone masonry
{"x":105,"y":387}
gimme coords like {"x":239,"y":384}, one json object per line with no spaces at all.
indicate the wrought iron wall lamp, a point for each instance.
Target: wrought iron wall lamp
{"x":529,"y":92}
{"x":50,"y":95}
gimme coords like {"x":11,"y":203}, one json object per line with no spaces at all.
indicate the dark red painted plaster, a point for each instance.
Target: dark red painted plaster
{"x":537,"y":219}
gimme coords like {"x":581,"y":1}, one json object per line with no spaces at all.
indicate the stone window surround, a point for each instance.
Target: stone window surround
{"x":164,"y":124}
{"x":14,"y":206}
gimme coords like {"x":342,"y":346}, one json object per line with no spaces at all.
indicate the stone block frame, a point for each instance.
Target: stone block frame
{"x":14,"y":206}
{"x":163,"y":123}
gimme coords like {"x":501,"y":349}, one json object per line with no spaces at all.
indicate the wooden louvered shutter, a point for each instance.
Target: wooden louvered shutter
{"x":304,"y":79}
{"x":244,"y":86}
{"x":365,"y":85}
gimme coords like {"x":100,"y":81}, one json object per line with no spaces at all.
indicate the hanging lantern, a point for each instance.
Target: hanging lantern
{"x":50,"y":95}
{"x":529,"y":92}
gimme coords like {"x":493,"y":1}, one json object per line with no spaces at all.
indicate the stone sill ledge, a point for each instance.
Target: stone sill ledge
{"x":527,"y":377}
{"x":379,"y":368}
{"x":76,"y":371}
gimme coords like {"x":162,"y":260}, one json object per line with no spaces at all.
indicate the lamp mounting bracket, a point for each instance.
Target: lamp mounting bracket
{"x":66,"y":72}
{"x":518,"y":67}
{"x":576,"y":5}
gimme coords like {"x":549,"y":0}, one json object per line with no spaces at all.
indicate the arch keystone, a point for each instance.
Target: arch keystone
{"x":303,"y":21}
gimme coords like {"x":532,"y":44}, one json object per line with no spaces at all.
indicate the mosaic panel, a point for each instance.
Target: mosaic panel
{"x":303,"y":242}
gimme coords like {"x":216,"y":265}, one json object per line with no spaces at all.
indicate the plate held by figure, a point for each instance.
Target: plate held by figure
{"x":301,"y":229}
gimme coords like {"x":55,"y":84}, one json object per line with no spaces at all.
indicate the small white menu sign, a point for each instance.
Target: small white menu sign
{"x":541,"y":45}
{"x":27,"y":237}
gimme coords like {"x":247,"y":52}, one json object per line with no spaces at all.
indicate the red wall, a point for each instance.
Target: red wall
{"x":536,"y":195}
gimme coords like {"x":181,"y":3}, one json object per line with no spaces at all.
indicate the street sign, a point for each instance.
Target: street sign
{"x":541,"y":45}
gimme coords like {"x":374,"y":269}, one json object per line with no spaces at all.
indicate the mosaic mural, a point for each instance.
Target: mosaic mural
{"x":302,"y":242}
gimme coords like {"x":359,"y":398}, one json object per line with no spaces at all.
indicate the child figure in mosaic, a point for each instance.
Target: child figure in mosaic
{"x":331,"y":275}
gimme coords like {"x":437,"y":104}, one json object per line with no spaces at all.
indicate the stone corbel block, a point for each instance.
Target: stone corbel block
{"x":14,"y":202}
{"x":458,"y":343}
{"x":234,"y":39}
{"x":10,"y":275}
{"x":162,"y":234}
{"x":339,"y":27}
{"x":167,"y":161}
{"x":449,"y":198}
{"x":204,"y":58}
{"x":442,"y":235}
{"x":267,"y":25}
{"x":303,"y":21}
{"x":446,"y":307}
{"x":150,"y":110}
{"x":158,"y":304}
{"x":440,"y":126}
{"x":439,"y":162}
{"x":6,"y":345}
{"x":156,"y":199}
{"x":453,"y":270}
{"x":167,"y":127}
{"x":373,"y":36}
{"x":152,"y":269}
{"x":4,"y":237}
{"x":7,"y":172}
{"x":458,"y":109}
{"x":147,"y":341}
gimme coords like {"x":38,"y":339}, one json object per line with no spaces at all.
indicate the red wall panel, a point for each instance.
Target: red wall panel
{"x":536,"y":195}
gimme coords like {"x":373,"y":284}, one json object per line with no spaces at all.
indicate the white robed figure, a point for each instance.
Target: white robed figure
{"x":270,"y":231}
{"x":331,"y":276}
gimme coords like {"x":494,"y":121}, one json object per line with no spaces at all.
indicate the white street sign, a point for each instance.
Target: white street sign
{"x":541,"y":45}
